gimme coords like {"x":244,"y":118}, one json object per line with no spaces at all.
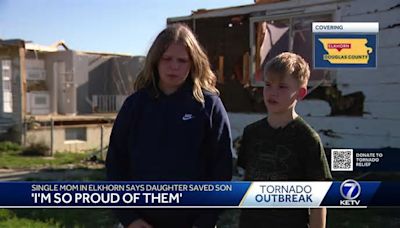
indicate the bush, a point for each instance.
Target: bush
{"x":31,"y":223}
{"x":36,"y":149}
{"x":6,"y":214}
{"x":9,"y":146}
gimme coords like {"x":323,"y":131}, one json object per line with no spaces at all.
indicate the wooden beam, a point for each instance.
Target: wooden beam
{"x":246,"y":69}
{"x":22,"y":70}
{"x":221,"y":69}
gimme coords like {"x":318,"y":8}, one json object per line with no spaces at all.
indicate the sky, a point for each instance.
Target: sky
{"x":117,"y":26}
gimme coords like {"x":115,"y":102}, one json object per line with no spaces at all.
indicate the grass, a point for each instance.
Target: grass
{"x":11,"y":158}
{"x":363,"y":218}
{"x":337,"y":218}
{"x":70,"y":217}
{"x":14,"y":160}
{"x":22,"y":222}
{"x":9,"y":146}
{"x":56,"y":218}
{"x":76,"y":174}
{"x":8,"y":218}
{"x":77,"y":218}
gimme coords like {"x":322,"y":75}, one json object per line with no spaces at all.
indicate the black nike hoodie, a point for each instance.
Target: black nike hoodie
{"x":158,"y":137}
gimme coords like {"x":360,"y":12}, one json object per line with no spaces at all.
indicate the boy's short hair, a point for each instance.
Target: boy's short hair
{"x":290,"y":64}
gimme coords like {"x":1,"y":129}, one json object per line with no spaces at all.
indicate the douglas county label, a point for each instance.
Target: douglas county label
{"x":345,"y":44}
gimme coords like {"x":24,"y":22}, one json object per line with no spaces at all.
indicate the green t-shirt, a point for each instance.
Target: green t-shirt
{"x":290,"y":153}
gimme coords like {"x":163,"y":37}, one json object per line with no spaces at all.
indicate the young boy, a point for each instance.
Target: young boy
{"x":282,"y":146}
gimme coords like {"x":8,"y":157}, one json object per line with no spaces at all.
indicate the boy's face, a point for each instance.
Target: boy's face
{"x":282,"y":93}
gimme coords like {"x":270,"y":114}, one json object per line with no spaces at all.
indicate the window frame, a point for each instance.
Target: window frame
{"x":291,"y":18}
{"x":75,"y":139}
{"x":9,"y":80}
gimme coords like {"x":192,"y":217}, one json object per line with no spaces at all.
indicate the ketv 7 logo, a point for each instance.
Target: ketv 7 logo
{"x":350,"y":190}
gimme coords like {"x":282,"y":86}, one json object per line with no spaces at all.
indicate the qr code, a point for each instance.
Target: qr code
{"x":342,"y":159}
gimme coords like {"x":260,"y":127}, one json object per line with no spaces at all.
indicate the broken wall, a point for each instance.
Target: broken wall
{"x":10,"y":126}
{"x":354,"y":108}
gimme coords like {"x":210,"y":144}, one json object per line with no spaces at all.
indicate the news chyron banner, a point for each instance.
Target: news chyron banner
{"x":349,"y":193}
{"x":345,"y":44}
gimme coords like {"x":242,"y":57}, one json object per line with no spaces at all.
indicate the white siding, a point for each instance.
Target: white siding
{"x":357,"y":132}
{"x":386,"y":18}
{"x":381,"y":86}
{"x":358,"y":7}
{"x":339,"y":131}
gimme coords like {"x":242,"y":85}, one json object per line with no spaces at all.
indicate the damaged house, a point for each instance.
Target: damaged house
{"x":350,"y":108}
{"x":63,"y":98}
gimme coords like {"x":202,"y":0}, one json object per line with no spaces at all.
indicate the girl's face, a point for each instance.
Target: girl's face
{"x":173,"y":68}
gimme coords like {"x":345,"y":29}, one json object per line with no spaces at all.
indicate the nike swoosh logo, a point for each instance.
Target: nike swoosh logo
{"x":187,"y":117}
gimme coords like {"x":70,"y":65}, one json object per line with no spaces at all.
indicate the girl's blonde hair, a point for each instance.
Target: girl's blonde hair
{"x":200,"y":72}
